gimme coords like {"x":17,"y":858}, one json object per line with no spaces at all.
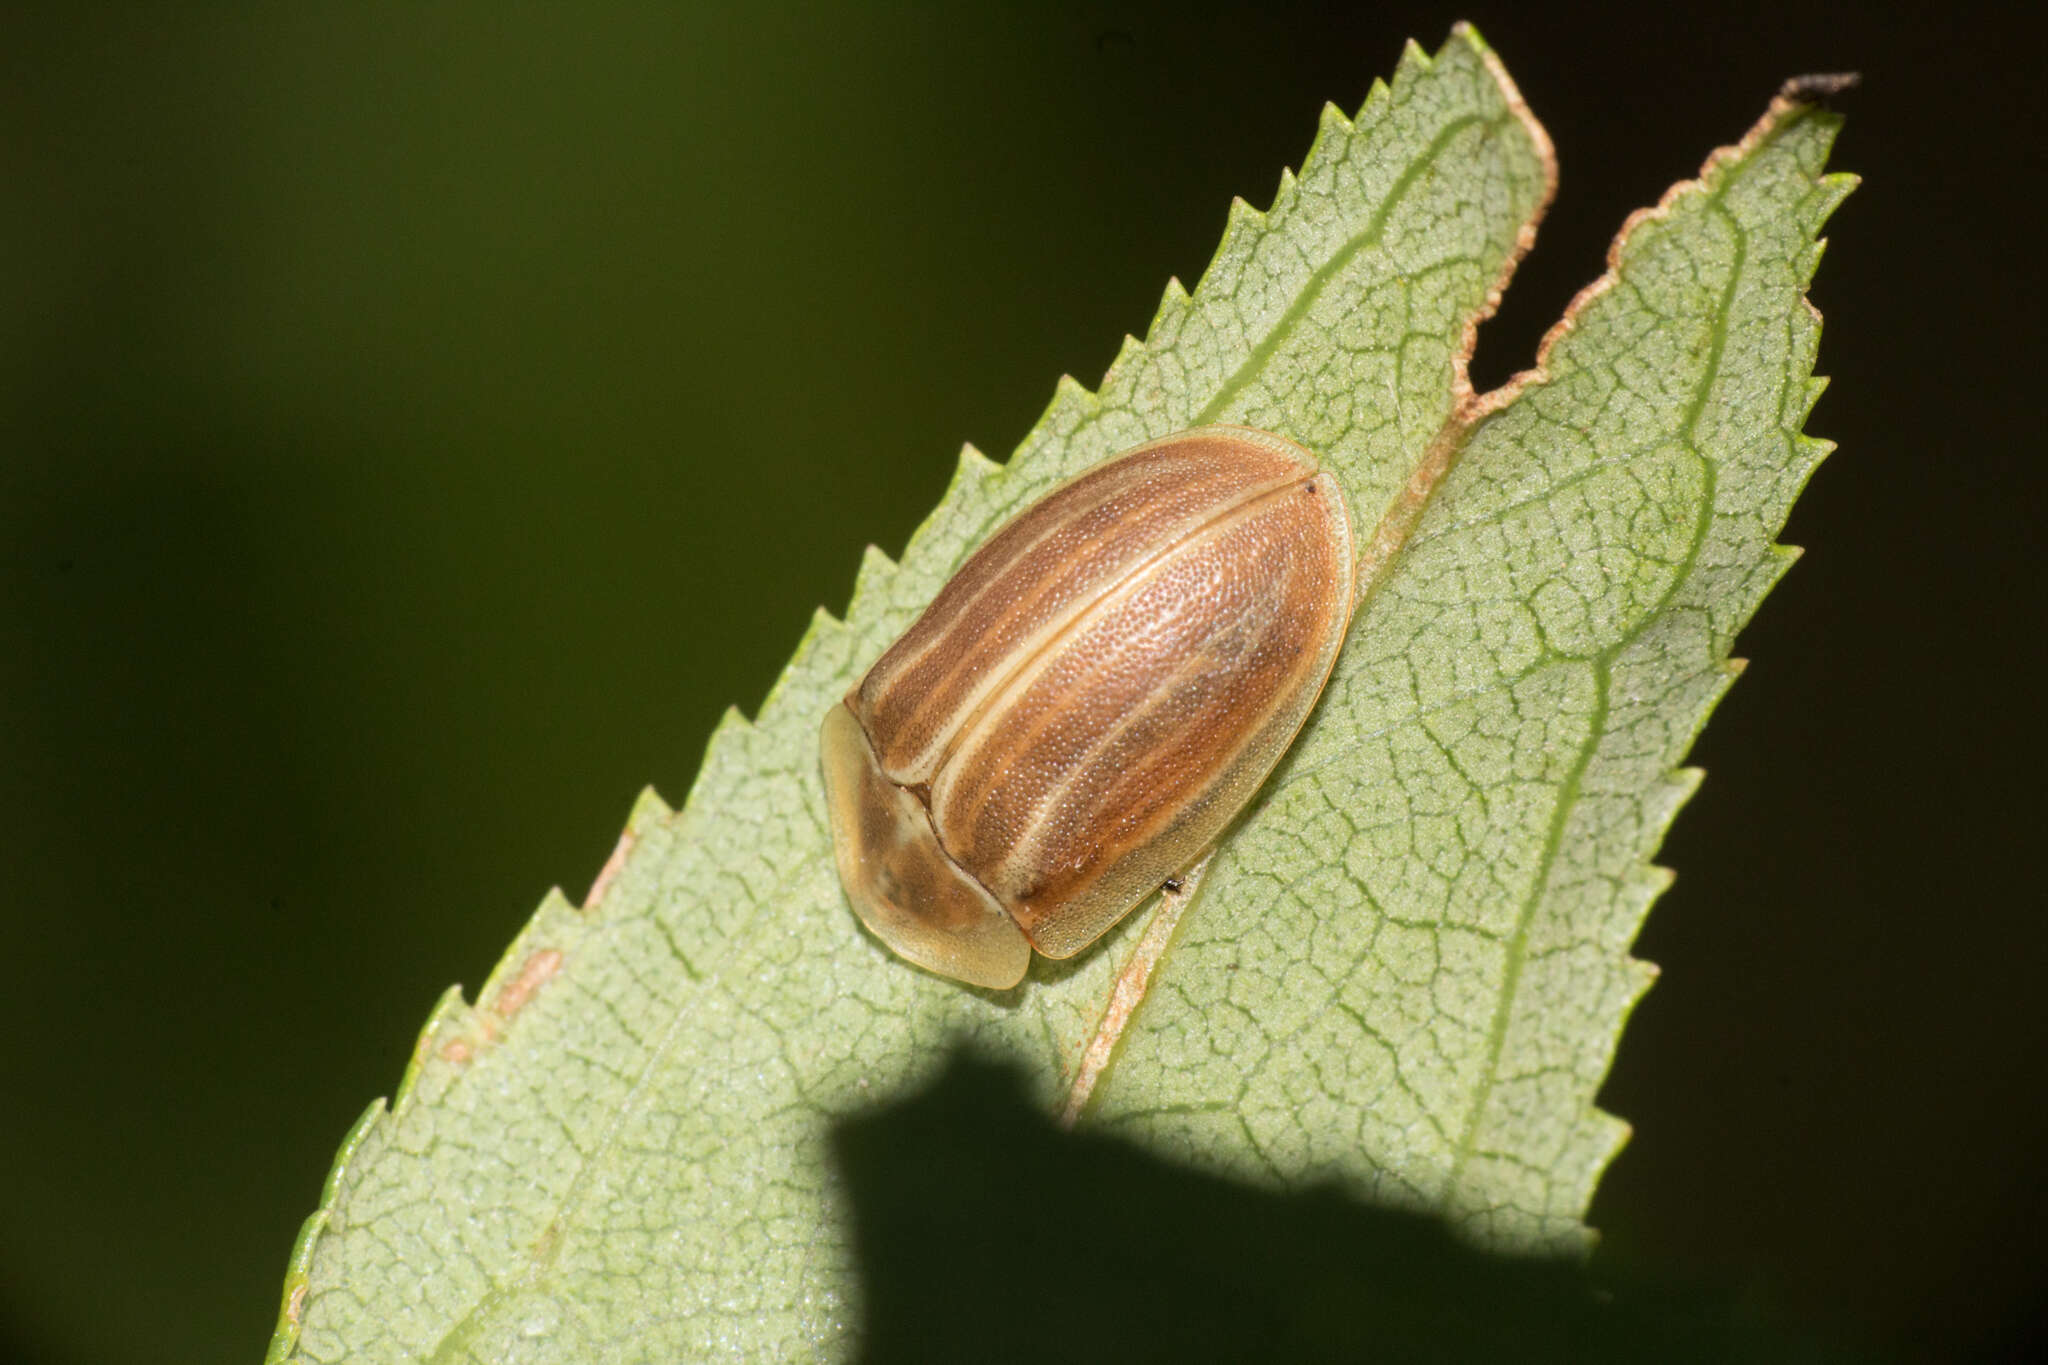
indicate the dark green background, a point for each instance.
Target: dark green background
{"x":421,"y":421}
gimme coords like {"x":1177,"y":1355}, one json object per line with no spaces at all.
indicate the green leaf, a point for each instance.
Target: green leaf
{"x":1406,"y":969}
{"x":1423,"y":972}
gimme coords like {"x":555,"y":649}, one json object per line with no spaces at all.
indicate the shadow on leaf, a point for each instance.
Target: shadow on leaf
{"x":984,"y":1232}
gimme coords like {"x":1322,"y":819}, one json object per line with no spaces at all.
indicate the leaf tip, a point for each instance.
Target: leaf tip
{"x":1071,"y":391}
{"x":1816,"y":448}
{"x":1242,"y":217}
{"x":1173,"y":303}
{"x":870,"y":582}
{"x":1126,"y":354}
{"x":973,"y":466}
{"x":1511,"y":96}
{"x":1816,"y":385}
{"x":651,"y":808}
{"x":1332,"y":130}
{"x":1828,"y":193}
{"x":1414,"y":62}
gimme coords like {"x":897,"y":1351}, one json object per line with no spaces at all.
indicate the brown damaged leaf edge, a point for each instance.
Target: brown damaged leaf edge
{"x":612,"y":867}
{"x":537,"y":971}
{"x":513,"y":997}
{"x":1797,"y":96}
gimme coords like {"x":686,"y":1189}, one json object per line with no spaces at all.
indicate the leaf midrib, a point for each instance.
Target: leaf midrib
{"x":1319,"y":279}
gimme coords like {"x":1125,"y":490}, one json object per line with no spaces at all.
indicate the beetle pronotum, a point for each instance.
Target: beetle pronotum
{"x":1089,"y":701}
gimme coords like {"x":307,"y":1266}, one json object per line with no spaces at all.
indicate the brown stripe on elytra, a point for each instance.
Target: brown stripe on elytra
{"x":1054,"y":563}
{"x":1281,"y":661}
{"x":1200,"y":488}
{"x":1077,"y":687}
{"x":1059,"y":553}
{"x":1067,"y":919}
{"x":1191,"y":739}
{"x":996,"y":779}
{"x":1089,"y":763}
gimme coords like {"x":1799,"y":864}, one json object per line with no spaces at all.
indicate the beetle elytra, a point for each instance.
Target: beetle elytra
{"x":1089,"y":701}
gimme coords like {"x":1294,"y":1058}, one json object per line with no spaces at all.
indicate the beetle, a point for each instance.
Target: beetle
{"x":1089,"y":701}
